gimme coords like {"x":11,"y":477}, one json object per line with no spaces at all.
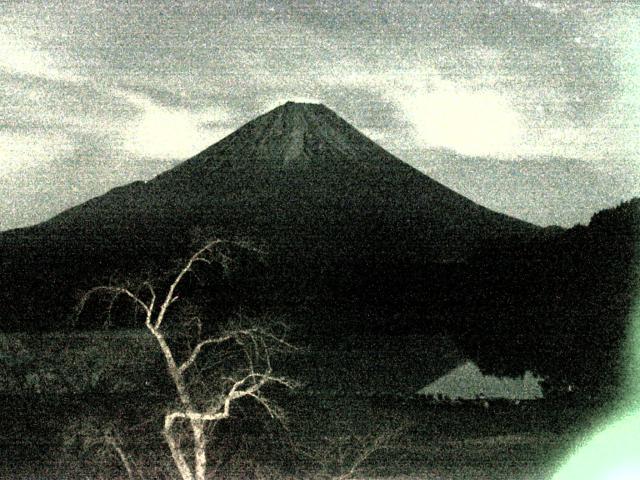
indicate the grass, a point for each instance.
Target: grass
{"x":42,"y":436}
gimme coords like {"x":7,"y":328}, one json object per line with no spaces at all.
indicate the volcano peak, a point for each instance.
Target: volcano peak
{"x":294,"y":135}
{"x":300,"y":180}
{"x":295,"y":104}
{"x":307,"y":109}
{"x":292,"y":109}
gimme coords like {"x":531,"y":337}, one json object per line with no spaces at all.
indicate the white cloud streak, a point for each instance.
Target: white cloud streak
{"x":19,"y":151}
{"x":21,"y":56}
{"x":468,"y":121}
{"x":160,"y":132}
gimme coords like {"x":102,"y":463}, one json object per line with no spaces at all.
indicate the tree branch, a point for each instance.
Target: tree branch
{"x":170,"y":298}
{"x":116,"y":292}
{"x":110,"y":440}
{"x":196,"y":350}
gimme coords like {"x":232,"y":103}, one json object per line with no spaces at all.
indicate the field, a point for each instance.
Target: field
{"x":60,"y":392}
{"x":505,"y":441}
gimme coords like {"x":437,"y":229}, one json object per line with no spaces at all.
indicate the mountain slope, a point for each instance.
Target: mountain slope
{"x":358,"y":242}
{"x":542,"y":190}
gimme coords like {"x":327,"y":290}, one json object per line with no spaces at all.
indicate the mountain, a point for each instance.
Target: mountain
{"x":326,"y":203}
{"x":541,"y":190}
{"x":359,"y":245}
{"x":301,"y":171}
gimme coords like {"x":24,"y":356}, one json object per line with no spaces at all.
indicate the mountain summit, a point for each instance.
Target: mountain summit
{"x":293,"y":136}
{"x":299,"y":179}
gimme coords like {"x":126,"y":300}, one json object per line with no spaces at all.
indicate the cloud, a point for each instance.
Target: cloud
{"x":424,"y":108}
{"x":161,"y":132}
{"x":21,"y":56}
{"x":549,"y":7}
{"x":40,"y":189}
{"x":470,"y":121}
{"x":20,"y":151}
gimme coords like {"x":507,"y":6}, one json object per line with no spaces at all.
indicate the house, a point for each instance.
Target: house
{"x":467,"y":382}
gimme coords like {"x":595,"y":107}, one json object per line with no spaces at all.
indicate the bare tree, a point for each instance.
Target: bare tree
{"x":194,"y":411}
{"x":343,"y":457}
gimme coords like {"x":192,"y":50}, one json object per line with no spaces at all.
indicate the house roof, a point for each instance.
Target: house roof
{"x":467,"y":382}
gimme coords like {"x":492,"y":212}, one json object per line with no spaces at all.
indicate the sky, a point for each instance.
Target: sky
{"x":97,"y":94}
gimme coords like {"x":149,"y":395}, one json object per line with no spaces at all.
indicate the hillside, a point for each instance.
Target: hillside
{"x":558,"y":304}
